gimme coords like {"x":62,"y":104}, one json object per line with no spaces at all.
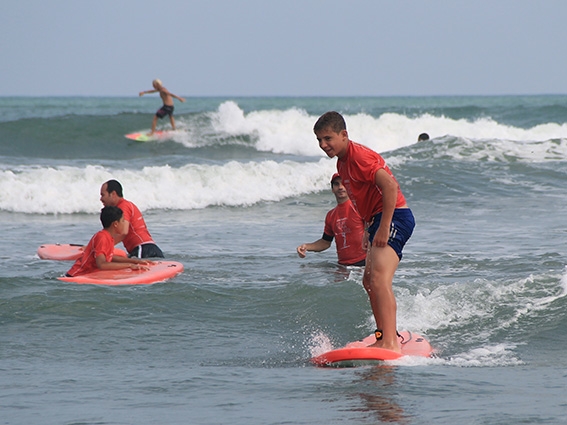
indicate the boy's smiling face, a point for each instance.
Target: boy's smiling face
{"x":333,"y":144}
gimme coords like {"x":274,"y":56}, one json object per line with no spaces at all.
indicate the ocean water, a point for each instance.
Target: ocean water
{"x":230,"y":195}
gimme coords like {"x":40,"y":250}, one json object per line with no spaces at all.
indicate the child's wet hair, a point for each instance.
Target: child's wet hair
{"x":109,"y":215}
{"x":330,"y":120}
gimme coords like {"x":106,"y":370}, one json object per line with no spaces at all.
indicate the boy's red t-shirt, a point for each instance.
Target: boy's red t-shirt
{"x":358,"y":170}
{"x":345,"y":225}
{"x":101,"y":243}
{"x":138,"y":231}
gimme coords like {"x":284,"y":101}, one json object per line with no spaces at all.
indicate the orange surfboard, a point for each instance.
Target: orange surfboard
{"x":411,"y":344}
{"x":158,"y":272}
{"x":67,"y":252}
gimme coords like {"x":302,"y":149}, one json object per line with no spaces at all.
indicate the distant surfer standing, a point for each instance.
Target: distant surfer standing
{"x":167,"y":108}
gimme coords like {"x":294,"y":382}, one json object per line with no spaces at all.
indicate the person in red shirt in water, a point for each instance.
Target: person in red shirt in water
{"x":378,"y":199}
{"x":344,"y":224}
{"x":99,"y":252}
{"x":138,"y":242}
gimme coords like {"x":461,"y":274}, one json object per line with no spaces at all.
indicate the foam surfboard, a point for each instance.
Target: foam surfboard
{"x":143,"y":136}
{"x":158,"y":272}
{"x":66,"y":252}
{"x":411,"y":344}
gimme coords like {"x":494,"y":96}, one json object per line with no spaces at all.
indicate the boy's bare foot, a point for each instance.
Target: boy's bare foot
{"x":393,"y":347}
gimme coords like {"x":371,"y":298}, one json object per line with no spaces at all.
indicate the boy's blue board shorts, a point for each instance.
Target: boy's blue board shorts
{"x":401,"y":229}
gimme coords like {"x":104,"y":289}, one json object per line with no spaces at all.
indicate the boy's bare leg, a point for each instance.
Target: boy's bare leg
{"x":154,"y":124}
{"x":381,"y":265}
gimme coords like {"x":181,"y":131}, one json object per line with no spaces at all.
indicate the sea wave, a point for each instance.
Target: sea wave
{"x":290,"y":131}
{"x":286,"y":131}
{"x":66,"y":190}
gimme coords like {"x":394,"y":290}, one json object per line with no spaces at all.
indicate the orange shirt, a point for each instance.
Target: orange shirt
{"x":138,"y":231}
{"x":100,"y":243}
{"x":345,"y":225}
{"x":358,"y":170}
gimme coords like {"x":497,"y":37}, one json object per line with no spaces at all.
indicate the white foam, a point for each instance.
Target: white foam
{"x":319,"y":343}
{"x":288,"y":131}
{"x":461,"y":309}
{"x":76,"y":190}
{"x":486,"y":356}
{"x":291,"y":132}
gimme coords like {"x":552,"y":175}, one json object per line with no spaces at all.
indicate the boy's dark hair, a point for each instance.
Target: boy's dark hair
{"x":114,"y":186}
{"x":330,"y":120}
{"x":109,"y":215}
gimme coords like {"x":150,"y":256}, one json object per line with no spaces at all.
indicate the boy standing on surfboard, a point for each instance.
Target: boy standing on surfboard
{"x":99,"y":252}
{"x":167,"y":108}
{"x":344,"y":223}
{"x":376,"y":195}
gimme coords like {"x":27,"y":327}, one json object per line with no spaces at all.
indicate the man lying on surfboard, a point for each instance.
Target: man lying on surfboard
{"x":389,"y":222}
{"x":167,"y":108}
{"x":99,"y":252}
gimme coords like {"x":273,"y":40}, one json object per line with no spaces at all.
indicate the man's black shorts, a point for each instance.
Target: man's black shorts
{"x":164,"y":110}
{"x":147,"y":250}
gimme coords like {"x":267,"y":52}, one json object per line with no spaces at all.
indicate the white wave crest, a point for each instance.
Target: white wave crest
{"x":68,"y":190}
{"x":291,"y":131}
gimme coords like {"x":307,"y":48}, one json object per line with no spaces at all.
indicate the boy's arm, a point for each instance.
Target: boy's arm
{"x":147,"y":92}
{"x":181,"y":99}
{"x":389,"y":188}
{"x":166,"y":91}
{"x":132,"y":260}
{"x":119,"y":262}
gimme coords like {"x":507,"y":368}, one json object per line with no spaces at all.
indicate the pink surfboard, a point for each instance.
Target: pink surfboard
{"x":411,"y":344}
{"x":67,"y":252}
{"x":158,"y":272}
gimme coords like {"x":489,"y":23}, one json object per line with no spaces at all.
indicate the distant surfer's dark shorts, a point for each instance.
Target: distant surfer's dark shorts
{"x":401,"y":229}
{"x":164,"y":110}
{"x":147,"y":250}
